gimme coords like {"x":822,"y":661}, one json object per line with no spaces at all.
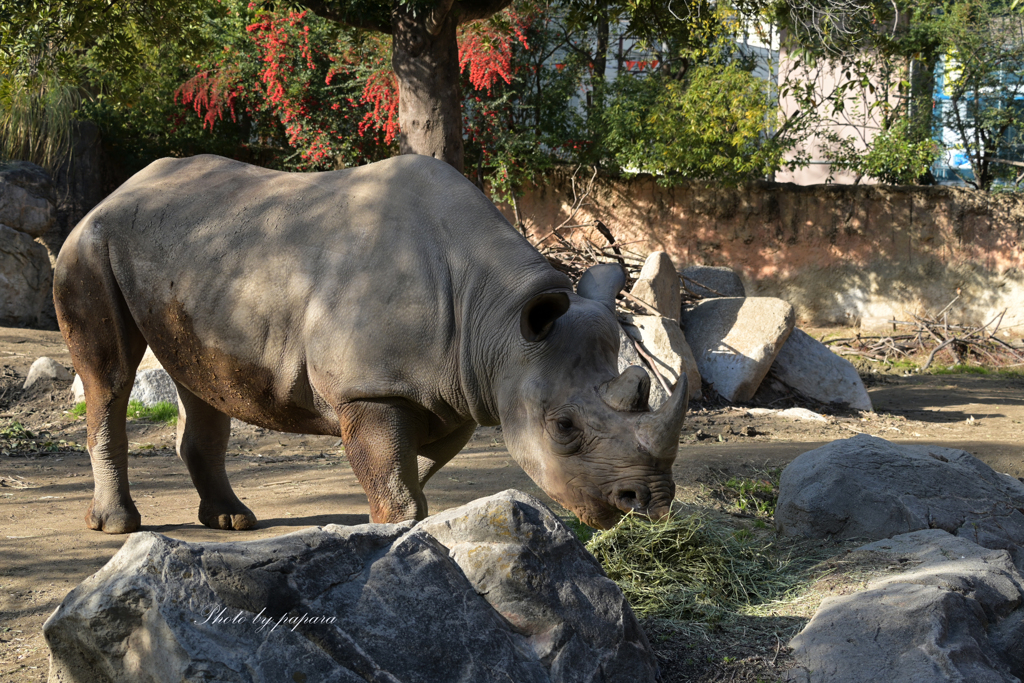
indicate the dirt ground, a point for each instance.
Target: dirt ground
{"x":292,"y":481}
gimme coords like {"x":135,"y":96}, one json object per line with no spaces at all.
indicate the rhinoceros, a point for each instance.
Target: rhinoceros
{"x":391,"y":305}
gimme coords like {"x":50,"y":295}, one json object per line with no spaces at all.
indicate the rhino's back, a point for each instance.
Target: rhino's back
{"x":251,"y":285}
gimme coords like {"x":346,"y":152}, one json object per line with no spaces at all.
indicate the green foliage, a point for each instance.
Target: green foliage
{"x":159,"y":412}
{"x":753,"y":496}
{"x":78,"y":410}
{"x":54,"y":55}
{"x":720,"y":123}
{"x":15,"y":431}
{"x":893,"y":156}
{"x":692,"y":568}
{"x":582,"y":531}
{"x":36,"y":112}
{"x":984,"y":79}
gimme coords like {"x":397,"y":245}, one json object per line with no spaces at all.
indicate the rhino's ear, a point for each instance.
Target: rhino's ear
{"x":540,"y":314}
{"x":601,"y":283}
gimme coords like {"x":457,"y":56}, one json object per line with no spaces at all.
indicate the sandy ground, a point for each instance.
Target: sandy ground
{"x":292,"y":481}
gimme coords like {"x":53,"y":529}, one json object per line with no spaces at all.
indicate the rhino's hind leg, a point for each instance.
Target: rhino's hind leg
{"x":381,"y":441}
{"x":106,"y":347}
{"x":203,"y":433}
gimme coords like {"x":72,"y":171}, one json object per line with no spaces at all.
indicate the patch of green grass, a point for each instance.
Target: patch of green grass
{"x":159,"y":412}
{"x":694,"y":568}
{"x":78,"y":410}
{"x":961,"y":370}
{"x":582,"y":531}
{"x":757,"y":496}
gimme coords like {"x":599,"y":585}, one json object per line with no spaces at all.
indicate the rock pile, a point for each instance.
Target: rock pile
{"x":498,"y":589}
{"x":740,"y":346}
{"x":27,"y":214}
{"x":951,"y":532}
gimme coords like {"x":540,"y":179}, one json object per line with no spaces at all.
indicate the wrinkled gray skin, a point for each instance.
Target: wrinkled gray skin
{"x":391,"y":305}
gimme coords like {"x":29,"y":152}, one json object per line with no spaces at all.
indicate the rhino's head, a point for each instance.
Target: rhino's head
{"x":581,"y":430}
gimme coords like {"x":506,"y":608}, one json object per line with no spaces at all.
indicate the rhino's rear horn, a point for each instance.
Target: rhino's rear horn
{"x":540,"y":314}
{"x":659,"y":431}
{"x":627,"y":392}
{"x":602,"y":283}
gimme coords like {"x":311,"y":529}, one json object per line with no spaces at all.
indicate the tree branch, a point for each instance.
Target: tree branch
{"x":435,"y":20}
{"x":343,"y":12}
{"x":472,"y":10}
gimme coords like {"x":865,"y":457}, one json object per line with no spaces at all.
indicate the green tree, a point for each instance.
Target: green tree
{"x":984,"y":80}
{"x":425,"y":59}
{"x":720,"y":123}
{"x":55,"y":55}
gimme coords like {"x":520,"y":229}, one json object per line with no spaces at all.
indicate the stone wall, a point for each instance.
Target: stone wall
{"x":841,"y":254}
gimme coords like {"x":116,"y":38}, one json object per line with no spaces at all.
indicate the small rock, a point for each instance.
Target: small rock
{"x":77,"y":390}
{"x":45,"y":370}
{"x":806,"y":366}
{"x":802,"y":414}
{"x":665,"y":342}
{"x":717,"y":281}
{"x":866,"y":487}
{"x":658,"y":285}
{"x":759,"y":412}
{"x":154,"y":386}
{"x":735,"y":341}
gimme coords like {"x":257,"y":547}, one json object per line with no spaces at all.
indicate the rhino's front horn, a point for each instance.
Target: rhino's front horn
{"x":627,"y":392}
{"x":659,"y":431}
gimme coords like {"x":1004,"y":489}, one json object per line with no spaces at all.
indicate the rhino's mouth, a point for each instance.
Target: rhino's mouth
{"x":603,"y":511}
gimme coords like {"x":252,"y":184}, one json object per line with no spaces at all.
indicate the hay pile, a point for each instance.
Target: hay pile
{"x":695,"y":568}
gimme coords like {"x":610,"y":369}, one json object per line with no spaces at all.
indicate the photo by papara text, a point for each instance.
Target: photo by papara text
{"x":261,"y":621}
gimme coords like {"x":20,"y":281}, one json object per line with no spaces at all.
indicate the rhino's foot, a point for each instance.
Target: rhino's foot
{"x":122,"y":519}
{"x":228,"y":516}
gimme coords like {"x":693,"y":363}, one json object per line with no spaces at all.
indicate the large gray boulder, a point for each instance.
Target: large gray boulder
{"x":953,"y":615}
{"x":712,"y":281}
{"x":806,"y":367}
{"x":496,"y":590}
{"x":735,"y":341}
{"x":866,"y":487}
{"x":665,"y":343}
{"x":154,"y":386}
{"x":538,"y":576}
{"x":26,"y":282}
{"x":658,"y":285}
{"x":27,"y":199}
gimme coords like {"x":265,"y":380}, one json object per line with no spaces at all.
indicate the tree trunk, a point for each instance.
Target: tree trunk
{"x":429,"y":103}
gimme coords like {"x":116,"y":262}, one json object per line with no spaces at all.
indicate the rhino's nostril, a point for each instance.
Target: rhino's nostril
{"x":630,"y":499}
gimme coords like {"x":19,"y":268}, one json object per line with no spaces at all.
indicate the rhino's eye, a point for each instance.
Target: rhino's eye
{"x":564,"y":432}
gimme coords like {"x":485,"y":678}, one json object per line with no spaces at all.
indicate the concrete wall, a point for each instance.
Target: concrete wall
{"x":841,"y":254}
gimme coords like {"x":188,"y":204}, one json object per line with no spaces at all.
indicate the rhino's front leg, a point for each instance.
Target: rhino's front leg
{"x":381,"y":442}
